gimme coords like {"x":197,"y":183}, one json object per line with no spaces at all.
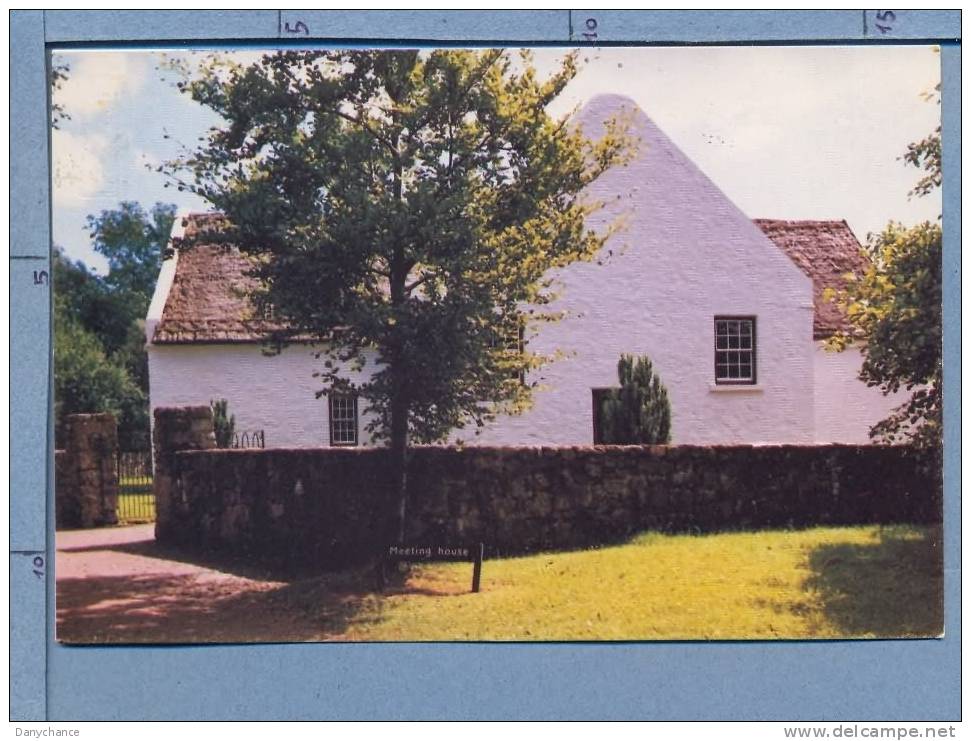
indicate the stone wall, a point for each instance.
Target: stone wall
{"x":320,"y":508}
{"x":85,"y":472}
{"x":176,"y":429}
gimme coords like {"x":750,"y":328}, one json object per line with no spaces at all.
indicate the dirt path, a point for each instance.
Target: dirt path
{"x":117,"y":585}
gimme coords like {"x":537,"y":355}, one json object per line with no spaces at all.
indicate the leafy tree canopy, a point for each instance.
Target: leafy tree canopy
{"x":100,"y":364}
{"x":86,"y":380}
{"x":133,"y":241}
{"x":86,"y":298}
{"x":411,"y":203}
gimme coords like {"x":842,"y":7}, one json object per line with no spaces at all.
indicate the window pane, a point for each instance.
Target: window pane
{"x":343,"y":420}
{"x":734,"y":350}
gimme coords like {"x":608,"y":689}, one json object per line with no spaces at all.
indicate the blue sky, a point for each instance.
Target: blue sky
{"x":786,"y":132}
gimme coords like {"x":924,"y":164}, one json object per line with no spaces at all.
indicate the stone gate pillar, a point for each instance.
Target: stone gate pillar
{"x":176,"y":428}
{"x":89,"y":497}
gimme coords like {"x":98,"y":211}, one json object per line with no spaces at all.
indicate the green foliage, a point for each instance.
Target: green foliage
{"x":86,"y":297}
{"x":639,"y":412}
{"x":402,"y":207}
{"x":223,"y":423}
{"x":926,"y":155}
{"x":86,"y":380}
{"x":99,"y":320}
{"x":895,"y":309}
{"x":133,"y":241}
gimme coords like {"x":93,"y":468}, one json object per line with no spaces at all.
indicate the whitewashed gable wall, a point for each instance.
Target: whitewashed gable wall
{"x":685,"y":255}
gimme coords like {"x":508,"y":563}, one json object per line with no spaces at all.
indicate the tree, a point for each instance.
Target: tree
{"x":101,"y":319}
{"x":224,"y":424}
{"x":86,"y":380}
{"x":895,"y":311}
{"x":639,"y":412}
{"x":86,"y":297}
{"x":133,"y":242}
{"x":404,"y":208}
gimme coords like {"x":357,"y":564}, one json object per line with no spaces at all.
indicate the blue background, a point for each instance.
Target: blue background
{"x":831,"y":680}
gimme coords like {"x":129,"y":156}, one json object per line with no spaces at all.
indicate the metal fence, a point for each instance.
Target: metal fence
{"x":136,"y":502}
{"x":249,"y":439}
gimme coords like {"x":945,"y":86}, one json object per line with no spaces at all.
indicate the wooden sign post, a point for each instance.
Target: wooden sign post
{"x":425,"y":553}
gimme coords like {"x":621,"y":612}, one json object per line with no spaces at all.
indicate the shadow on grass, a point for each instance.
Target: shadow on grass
{"x":891,"y":588}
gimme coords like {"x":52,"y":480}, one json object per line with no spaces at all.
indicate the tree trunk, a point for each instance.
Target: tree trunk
{"x":399,"y":380}
{"x":398,"y":509}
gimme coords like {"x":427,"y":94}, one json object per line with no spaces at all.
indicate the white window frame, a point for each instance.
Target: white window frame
{"x":736,"y":349}
{"x":343,"y":420}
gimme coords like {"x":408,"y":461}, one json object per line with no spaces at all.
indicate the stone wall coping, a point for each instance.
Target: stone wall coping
{"x":190,"y":411}
{"x":539,"y":449}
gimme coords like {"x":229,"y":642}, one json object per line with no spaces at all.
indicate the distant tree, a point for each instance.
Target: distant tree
{"x":895,"y":310}
{"x":86,"y":297}
{"x":223,"y":423}
{"x":86,"y":380}
{"x":101,"y":318}
{"x":133,"y":241}
{"x":639,"y":412}
{"x":403,"y":207}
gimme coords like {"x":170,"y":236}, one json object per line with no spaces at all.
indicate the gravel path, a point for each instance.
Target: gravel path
{"x":117,"y":585}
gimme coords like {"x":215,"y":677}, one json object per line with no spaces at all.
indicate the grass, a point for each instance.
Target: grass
{"x":820,"y":583}
{"x":135,"y":503}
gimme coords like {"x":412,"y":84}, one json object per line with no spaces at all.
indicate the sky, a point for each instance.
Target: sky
{"x":786,"y":132}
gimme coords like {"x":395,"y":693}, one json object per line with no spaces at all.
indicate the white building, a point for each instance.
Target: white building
{"x":730,"y":311}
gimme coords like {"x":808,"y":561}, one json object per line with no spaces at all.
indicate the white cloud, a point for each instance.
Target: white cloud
{"x":77,"y":172}
{"x":96,"y":80}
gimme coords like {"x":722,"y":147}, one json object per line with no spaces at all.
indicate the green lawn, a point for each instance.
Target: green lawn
{"x":135,"y":502}
{"x":819,"y":583}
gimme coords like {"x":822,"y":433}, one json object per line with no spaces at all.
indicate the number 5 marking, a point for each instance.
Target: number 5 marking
{"x":298,"y":27}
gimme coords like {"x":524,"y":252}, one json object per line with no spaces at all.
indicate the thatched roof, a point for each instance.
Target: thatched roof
{"x":208,"y":301}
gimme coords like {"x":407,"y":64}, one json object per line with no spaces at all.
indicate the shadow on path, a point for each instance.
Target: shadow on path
{"x":193,"y":608}
{"x":120,"y":586}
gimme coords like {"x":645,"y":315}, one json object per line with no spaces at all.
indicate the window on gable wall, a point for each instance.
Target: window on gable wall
{"x":343,"y":419}
{"x":513,"y":341}
{"x":735,"y":350}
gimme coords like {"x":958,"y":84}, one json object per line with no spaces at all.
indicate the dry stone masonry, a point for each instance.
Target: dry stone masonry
{"x":176,"y":429}
{"x":86,"y":474}
{"x":320,"y":508}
